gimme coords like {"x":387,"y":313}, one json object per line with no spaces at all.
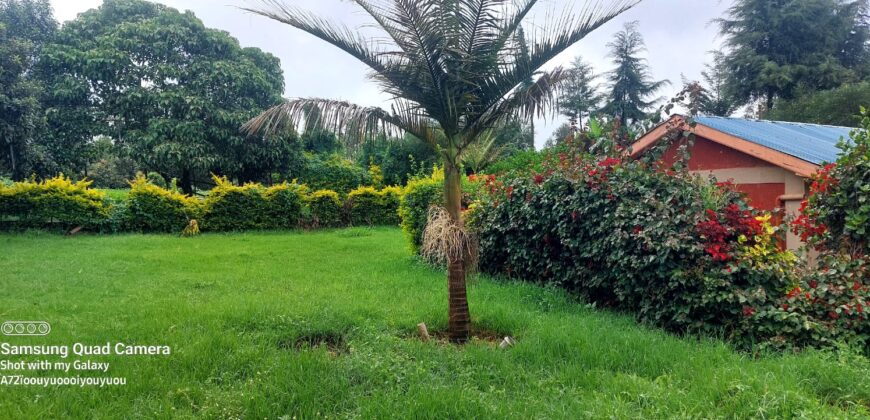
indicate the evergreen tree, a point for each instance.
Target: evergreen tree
{"x":782,"y":48}
{"x":631,"y":86}
{"x":715,"y":99}
{"x":580,"y":97}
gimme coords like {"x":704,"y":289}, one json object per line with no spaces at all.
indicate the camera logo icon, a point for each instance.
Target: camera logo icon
{"x":25,"y":328}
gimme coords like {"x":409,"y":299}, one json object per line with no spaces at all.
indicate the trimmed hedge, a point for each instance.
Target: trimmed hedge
{"x":325,"y":208}
{"x":285,"y":205}
{"x":154,"y":209}
{"x":229,"y":207}
{"x":367,"y":206}
{"x":53,"y":203}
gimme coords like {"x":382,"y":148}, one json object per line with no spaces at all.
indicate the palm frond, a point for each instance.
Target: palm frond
{"x":365,"y":50}
{"x":526,"y":101}
{"x":353,"y":123}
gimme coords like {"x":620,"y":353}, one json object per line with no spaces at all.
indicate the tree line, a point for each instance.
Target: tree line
{"x":792,"y":60}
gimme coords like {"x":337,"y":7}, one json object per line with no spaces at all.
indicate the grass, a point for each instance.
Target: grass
{"x":115,"y":194}
{"x":264,"y":325}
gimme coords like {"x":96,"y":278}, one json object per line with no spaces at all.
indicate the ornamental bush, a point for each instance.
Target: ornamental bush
{"x":333,"y":172}
{"x":368,"y":206}
{"x":285,"y":205}
{"x":422,"y":193}
{"x":154,"y":209}
{"x":836,"y":215}
{"x":56,"y":203}
{"x":677,"y":250}
{"x":325,"y":208}
{"x":229,"y":207}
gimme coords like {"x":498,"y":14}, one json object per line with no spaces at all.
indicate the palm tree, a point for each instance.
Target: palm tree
{"x":453,"y":69}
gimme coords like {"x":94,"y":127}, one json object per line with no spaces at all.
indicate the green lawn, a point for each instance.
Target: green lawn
{"x":237,"y":310}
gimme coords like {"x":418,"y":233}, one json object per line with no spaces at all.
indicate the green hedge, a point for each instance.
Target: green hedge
{"x":285,"y":205}
{"x":154,"y":209}
{"x":325,"y":208}
{"x":367,"y":206}
{"x":56,"y":203}
{"x":672,"y":248}
{"x":229,"y":207}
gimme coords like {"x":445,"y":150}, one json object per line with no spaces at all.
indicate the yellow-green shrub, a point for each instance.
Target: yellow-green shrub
{"x":285,"y":204}
{"x":231,"y":207}
{"x":55,"y":202}
{"x":154,"y":209}
{"x":325,"y":208}
{"x":392,"y":198}
{"x":368,"y":206}
{"x":419,"y":195}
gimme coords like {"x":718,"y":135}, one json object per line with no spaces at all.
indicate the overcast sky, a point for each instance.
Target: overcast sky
{"x":678,"y":34}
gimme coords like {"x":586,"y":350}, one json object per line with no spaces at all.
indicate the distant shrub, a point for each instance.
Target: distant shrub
{"x":520,"y":162}
{"x":156,"y":179}
{"x":325,"y":208}
{"x":285,"y":205}
{"x":333,"y":173}
{"x":53,"y":203}
{"x":154,"y":209}
{"x":229,"y":207}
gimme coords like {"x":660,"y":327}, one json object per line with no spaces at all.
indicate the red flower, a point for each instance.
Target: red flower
{"x":638,"y":229}
{"x":593,"y":172}
{"x":748,"y":311}
{"x":794,"y":292}
{"x":785,"y":306}
{"x":574,"y":215}
{"x":539,"y":179}
{"x":833,"y":315}
{"x":856,"y":286}
{"x":813,"y":284}
{"x":510,"y":191}
{"x":606,"y":163}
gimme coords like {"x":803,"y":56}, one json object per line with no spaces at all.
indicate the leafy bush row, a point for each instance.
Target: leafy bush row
{"x":62,"y":204}
{"x":677,"y":250}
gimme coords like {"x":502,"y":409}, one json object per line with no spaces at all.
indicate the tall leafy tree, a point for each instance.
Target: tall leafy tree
{"x":631,"y":86}
{"x":781,"y":48}
{"x":580,"y":97}
{"x":169,"y":91}
{"x":25,"y":26}
{"x":453,"y":71}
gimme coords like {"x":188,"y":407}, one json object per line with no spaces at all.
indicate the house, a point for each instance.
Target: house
{"x":770,"y":161}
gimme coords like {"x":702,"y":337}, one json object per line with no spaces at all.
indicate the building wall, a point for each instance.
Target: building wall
{"x":767,"y":186}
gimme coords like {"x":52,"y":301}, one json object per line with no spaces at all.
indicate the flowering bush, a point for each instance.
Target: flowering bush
{"x":675,"y":249}
{"x":836,"y":215}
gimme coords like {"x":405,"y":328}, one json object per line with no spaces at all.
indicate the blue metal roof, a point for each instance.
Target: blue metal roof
{"x":811,"y":142}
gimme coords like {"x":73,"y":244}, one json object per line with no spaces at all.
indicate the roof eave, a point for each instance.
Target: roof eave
{"x":799,"y":166}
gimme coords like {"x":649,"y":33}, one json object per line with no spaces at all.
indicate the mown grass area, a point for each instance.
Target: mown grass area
{"x":240,"y":312}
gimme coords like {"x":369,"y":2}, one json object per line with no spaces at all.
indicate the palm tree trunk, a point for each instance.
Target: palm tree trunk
{"x":459,"y":319}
